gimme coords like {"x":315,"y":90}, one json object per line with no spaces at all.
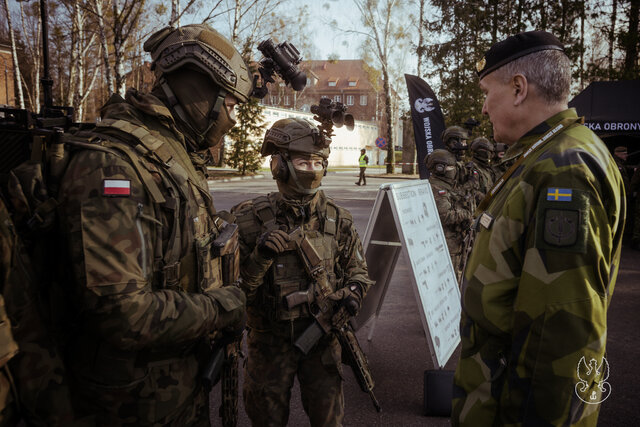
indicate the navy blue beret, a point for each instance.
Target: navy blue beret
{"x":514,"y":47}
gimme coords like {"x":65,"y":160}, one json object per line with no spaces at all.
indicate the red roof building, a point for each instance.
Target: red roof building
{"x":346,"y":81}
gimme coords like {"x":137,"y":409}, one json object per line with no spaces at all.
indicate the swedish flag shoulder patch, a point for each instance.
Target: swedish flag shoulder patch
{"x":559,"y":194}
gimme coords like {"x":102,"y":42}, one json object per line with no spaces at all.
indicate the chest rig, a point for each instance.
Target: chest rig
{"x":186,"y":253}
{"x":288,"y":273}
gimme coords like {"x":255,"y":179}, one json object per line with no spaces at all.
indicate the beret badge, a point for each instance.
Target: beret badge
{"x":481,"y":64}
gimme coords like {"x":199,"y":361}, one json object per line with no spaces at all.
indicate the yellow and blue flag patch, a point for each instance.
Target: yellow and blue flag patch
{"x":559,"y":194}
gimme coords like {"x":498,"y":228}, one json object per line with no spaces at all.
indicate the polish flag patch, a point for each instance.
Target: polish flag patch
{"x":442,"y":192}
{"x":116,"y":187}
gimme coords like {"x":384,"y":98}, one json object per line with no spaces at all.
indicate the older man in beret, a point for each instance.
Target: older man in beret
{"x":538,"y":283}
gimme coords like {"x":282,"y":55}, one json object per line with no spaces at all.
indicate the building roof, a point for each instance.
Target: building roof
{"x":348,"y":74}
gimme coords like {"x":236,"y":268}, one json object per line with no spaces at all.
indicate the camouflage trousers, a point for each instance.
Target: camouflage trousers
{"x":162,"y":396}
{"x":272,"y":365}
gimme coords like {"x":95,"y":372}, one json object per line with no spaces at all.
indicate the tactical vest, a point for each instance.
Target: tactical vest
{"x":182,"y":207}
{"x":288,"y":274}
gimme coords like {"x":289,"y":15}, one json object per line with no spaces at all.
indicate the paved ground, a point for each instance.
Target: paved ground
{"x":398,"y":353}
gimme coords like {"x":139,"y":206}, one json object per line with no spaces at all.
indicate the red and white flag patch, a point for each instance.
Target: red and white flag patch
{"x":116,"y":187}
{"x":442,"y":192}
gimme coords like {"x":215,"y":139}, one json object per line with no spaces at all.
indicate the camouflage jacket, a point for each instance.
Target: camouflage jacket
{"x":538,"y":284}
{"x":455,"y":212}
{"x":139,"y":225}
{"x":26,"y":349}
{"x":330,"y":230}
{"x":485,"y":179}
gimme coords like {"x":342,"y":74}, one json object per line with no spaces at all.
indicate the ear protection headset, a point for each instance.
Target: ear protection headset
{"x":280,"y":169}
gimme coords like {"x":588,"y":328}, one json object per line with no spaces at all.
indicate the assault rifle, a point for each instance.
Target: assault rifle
{"x":329,"y":315}
{"x":225,"y":349}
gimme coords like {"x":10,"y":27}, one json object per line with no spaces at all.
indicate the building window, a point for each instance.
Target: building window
{"x":363,"y":99}
{"x":337,"y":98}
{"x":286,"y":100}
{"x":350,"y":99}
{"x":353,"y":83}
{"x":332,"y":83}
{"x":274,"y":100}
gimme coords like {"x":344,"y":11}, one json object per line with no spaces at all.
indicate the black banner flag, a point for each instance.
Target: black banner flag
{"x":428,"y":121}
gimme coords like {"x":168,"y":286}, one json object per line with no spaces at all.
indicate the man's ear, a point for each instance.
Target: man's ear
{"x":520,"y":88}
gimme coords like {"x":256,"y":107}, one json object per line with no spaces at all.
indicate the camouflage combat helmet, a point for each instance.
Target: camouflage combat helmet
{"x":482,"y":149}
{"x":204,"y":48}
{"x":442,"y":163}
{"x":295,"y":136}
{"x":289,"y":137}
{"x":457,"y":134}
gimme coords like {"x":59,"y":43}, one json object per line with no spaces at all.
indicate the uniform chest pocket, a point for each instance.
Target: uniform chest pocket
{"x":208,"y":264}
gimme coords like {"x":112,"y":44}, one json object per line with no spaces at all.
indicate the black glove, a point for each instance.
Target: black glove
{"x":271,"y":243}
{"x":232,"y":316}
{"x":350,"y":298}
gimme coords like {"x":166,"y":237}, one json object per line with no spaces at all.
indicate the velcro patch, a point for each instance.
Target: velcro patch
{"x":562,"y":221}
{"x":116,"y":187}
{"x":442,"y":192}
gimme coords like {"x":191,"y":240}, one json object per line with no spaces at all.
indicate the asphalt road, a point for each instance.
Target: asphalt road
{"x":398,"y":353}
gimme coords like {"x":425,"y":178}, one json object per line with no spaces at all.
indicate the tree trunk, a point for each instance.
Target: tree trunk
{"x":631,"y":42}
{"x":582,"y":12}
{"x":612,"y":35}
{"x":175,"y":14}
{"x":97,"y":6}
{"x":408,"y":147}
{"x":387,"y":110}
{"x":14,"y":56}
{"x":543,"y":15}
{"x":420,"y":50}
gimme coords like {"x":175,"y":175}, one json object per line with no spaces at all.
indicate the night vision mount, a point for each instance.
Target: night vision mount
{"x":283,"y":60}
{"x":329,"y":114}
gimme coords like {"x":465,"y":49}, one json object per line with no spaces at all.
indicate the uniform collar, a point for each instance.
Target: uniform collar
{"x":303,"y":208}
{"x":532,"y":136}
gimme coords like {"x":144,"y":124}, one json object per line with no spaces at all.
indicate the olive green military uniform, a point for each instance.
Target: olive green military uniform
{"x":538,"y":285}
{"x":139,"y":224}
{"x":635,"y":188}
{"x":273,"y":362}
{"x":32,"y":380}
{"x":455,"y":217}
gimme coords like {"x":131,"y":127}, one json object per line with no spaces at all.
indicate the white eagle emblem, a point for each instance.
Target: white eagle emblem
{"x":592,"y":387}
{"x":424,"y":104}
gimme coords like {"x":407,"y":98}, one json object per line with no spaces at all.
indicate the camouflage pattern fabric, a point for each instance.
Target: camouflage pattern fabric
{"x":455,"y":217}
{"x":32,"y":379}
{"x":484,"y":181}
{"x":538,"y":284}
{"x":635,"y":188}
{"x":139,"y":225}
{"x":273,"y":362}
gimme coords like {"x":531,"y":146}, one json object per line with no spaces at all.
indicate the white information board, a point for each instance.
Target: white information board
{"x":405,"y":217}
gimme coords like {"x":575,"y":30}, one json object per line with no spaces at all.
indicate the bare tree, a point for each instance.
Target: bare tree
{"x":14,"y":56}
{"x":379,"y":26}
{"x":31,"y":34}
{"x":126,"y":16}
{"x":97,"y":8}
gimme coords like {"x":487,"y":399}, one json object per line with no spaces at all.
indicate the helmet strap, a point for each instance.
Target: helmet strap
{"x":174,"y":105}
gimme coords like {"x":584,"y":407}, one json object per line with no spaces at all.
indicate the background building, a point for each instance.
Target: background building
{"x":7,"y":79}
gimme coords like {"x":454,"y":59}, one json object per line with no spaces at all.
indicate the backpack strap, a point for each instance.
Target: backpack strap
{"x":330,"y":225}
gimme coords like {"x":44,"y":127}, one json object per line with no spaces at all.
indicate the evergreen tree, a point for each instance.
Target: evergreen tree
{"x":245,"y":153}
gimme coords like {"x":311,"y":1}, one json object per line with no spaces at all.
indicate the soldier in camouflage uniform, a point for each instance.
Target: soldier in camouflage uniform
{"x":635,"y":188}
{"x":271,"y":270}
{"x":139,"y":224}
{"x":482,"y":154}
{"x":539,"y":280}
{"x":453,"y":207}
{"x":32,"y":379}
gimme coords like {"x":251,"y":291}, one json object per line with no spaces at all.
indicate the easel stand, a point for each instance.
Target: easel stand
{"x":405,"y":218}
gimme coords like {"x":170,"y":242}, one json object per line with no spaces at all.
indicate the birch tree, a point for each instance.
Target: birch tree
{"x":14,"y":56}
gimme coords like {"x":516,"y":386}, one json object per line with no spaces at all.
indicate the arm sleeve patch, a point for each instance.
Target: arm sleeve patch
{"x":562,"y":224}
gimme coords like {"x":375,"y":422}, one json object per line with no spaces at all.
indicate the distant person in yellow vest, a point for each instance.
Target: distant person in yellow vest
{"x":363,"y":161}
